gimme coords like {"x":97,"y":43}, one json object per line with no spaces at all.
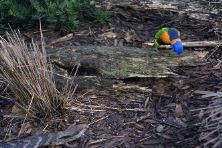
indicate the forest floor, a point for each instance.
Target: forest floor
{"x":168,"y":112}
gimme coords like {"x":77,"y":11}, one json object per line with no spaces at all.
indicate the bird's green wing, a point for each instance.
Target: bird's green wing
{"x":157,"y":36}
{"x":156,"y":44}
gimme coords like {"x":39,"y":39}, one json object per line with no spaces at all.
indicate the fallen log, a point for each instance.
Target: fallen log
{"x":194,"y":44}
{"x":121,"y":62}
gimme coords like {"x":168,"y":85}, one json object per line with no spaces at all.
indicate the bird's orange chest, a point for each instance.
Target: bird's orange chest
{"x":165,"y":37}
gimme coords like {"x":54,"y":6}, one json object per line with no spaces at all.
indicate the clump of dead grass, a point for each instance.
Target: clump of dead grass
{"x":211,"y":119}
{"x":30,"y":77}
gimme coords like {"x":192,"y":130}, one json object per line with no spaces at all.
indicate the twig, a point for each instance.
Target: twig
{"x":42,"y":38}
{"x":113,"y":108}
{"x":98,"y":120}
{"x":84,"y":110}
{"x":26,"y":115}
{"x":44,"y":129}
{"x":214,"y":50}
{"x":104,"y":139}
{"x":194,"y":44}
{"x":166,"y":123}
{"x":97,"y":141}
{"x":143,"y":117}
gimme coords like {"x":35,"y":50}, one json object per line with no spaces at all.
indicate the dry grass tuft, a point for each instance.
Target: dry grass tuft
{"x":30,"y":77}
{"x":211,"y":125}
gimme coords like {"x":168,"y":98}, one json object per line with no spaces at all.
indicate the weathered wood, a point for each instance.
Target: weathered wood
{"x":84,"y":82}
{"x":194,"y":44}
{"x":73,"y":133}
{"x":121,"y":62}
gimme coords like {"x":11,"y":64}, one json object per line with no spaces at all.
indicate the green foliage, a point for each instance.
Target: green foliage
{"x":63,"y":15}
{"x":102,"y":16}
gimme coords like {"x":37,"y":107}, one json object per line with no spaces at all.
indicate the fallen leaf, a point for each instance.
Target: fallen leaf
{"x":159,"y":88}
{"x":17,"y":111}
{"x":130,"y":36}
{"x":179,"y":84}
{"x":218,"y":65}
{"x":115,"y":42}
{"x":25,"y":129}
{"x":178,"y":110}
{"x":171,"y":105}
{"x":160,"y":128}
{"x":185,"y":87}
{"x":201,"y":114}
{"x":180,"y":122}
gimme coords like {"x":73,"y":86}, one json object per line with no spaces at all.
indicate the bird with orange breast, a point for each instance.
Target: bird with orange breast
{"x":169,"y":36}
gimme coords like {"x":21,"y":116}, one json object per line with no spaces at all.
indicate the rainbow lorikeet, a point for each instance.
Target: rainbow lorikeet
{"x":169,"y":36}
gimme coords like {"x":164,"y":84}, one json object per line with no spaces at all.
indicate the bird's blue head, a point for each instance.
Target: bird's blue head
{"x":178,"y":47}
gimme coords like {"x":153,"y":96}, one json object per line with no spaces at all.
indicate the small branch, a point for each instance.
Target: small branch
{"x":104,"y":108}
{"x":26,"y":115}
{"x":194,"y":44}
{"x":98,"y":120}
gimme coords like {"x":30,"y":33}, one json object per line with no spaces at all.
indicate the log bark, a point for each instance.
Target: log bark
{"x":121,"y":62}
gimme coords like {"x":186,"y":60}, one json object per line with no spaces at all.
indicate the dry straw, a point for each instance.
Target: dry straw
{"x":30,"y":77}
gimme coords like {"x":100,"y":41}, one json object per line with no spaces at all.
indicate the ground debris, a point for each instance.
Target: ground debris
{"x":173,"y":111}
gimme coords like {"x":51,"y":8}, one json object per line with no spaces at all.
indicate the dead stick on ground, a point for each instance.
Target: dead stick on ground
{"x":26,"y":115}
{"x":194,"y":44}
{"x":108,"y":108}
{"x":99,"y":120}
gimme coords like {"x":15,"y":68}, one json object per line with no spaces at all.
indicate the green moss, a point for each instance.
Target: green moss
{"x":116,"y":69}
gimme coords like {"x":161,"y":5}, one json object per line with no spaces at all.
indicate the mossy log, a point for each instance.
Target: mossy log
{"x":121,"y":62}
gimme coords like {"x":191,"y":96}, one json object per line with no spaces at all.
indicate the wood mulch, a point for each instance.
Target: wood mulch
{"x":158,"y":115}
